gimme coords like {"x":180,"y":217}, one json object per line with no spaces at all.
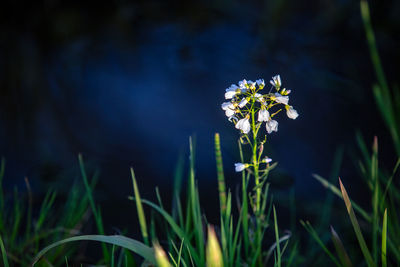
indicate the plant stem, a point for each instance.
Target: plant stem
{"x":255,"y":161}
{"x":257,"y":182}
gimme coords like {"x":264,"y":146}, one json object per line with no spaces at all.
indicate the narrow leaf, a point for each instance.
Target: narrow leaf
{"x":337,"y":192}
{"x":343,"y":256}
{"x":220,"y":175}
{"x":122,"y":241}
{"x":278,"y":247}
{"x":4,"y":253}
{"x":142,"y":219}
{"x":356,"y":226}
{"x":384,"y":238}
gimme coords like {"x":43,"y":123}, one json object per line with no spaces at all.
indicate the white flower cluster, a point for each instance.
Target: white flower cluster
{"x":245,"y":96}
{"x":246,"y":101}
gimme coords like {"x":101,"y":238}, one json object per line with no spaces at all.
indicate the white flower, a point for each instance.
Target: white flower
{"x":266,"y":160}
{"x":291,"y":112}
{"x":232,"y":91}
{"x":240,"y":167}
{"x":243,"y":102}
{"x":229,"y":113}
{"x":259,"y":97}
{"x":233,"y":87}
{"x":271,"y":126}
{"x":243,"y":85}
{"x":260,"y":83}
{"x":263,"y":114}
{"x":229,"y":108}
{"x":280,"y":99}
{"x":276,"y":81}
{"x":251,"y":84}
{"x":230,"y":94}
{"x":243,"y":125}
{"x":227,"y":105}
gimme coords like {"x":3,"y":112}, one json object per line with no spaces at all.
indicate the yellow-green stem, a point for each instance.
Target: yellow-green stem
{"x":255,"y":161}
{"x":257,"y":181}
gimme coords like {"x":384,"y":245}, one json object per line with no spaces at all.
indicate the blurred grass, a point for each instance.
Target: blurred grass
{"x":222,"y":246}
{"x":388,"y":100}
{"x":23,"y":233}
{"x":356,"y":227}
{"x":384,"y":193}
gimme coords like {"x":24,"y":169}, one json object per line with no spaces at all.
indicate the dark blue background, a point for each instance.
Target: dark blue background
{"x":126,"y":84}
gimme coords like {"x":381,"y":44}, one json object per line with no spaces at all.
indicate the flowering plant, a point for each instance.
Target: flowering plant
{"x":249,"y":108}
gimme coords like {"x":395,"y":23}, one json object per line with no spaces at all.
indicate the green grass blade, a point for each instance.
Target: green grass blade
{"x":4,"y":253}
{"x":272,"y":249}
{"x":113,"y":256}
{"x":356,"y":226}
{"x":384,"y":237}
{"x":158,"y":195}
{"x":175,"y":227}
{"x":95,"y":210}
{"x":118,"y":240}
{"x":180,"y":254}
{"x":315,"y":236}
{"x":341,"y":251}
{"x":176,"y":202}
{"x":220,"y":175}
{"x":375,"y":198}
{"x":337,"y":192}
{"x":372,"y":44}
{"x":363,"y":148}
{"x":293,"y":254}
{"x":236,"y":240}
{"x":190,"y":255}
{"x":326,"y":209}
{"x":195,"y":204}
{"x":278,"y":247}
{"x":383,"y":100}
{"x":396,"y":167}
{"x":245,"y":206}
{"x":382,"y":93}
{"x":88,"y":188}
{"x":140,"y":212}
{"x":45,"y":208}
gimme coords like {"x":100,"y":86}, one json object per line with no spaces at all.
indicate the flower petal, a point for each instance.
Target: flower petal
{"x":263,"y":115}
{"x":291,"y":113}
{"x":271,"y":126}
{"x":240,"y":167}
{"x":281,"y":99}
{"x":243,"y":103}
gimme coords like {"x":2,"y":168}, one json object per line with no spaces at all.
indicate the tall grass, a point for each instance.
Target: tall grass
{"x":381,"y":222}
{"x":181,"y":230}
{"x":22,"y":233}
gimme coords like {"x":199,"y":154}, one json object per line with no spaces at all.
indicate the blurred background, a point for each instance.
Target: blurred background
{"x":127,"y":83}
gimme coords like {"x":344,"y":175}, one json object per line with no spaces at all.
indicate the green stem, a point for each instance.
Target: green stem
{"x":257,"y":182}
{"x":255,"y":161}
